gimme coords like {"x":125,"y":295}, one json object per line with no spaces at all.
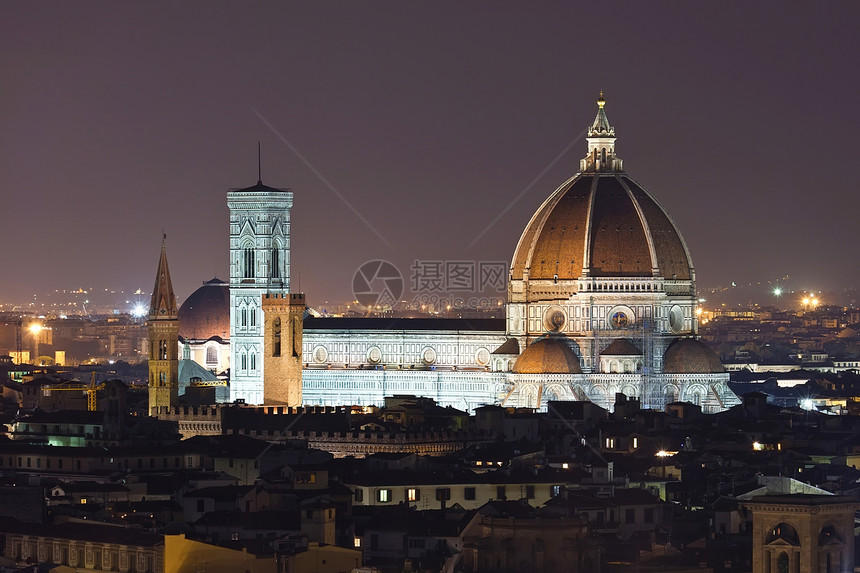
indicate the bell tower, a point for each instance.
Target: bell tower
{"x":163,"y":325}
{"x":259,"y":264}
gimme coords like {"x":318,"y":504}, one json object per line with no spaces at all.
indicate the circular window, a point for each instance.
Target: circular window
{"x":428,"y":356}
{"x":676,"y":319}
{"x":482,"y":356}
{"x":619,"y":319}
{"x":374,"y":355}
{"x":554,"y":319}
{"x":320,"y":354}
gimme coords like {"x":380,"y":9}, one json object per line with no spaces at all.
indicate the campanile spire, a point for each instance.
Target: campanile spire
{"x":601,"y":143}
{"x":163,"y":303}
{"x":163,"y":325}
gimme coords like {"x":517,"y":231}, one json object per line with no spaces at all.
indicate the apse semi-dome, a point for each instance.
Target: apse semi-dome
{"x":691,"y":356}
{"x":206,"y":313}
{"x":601,"y":223}
{"x":552,"y":355}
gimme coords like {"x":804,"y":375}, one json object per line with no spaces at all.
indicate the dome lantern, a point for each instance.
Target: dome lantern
{"x":601,"y":144}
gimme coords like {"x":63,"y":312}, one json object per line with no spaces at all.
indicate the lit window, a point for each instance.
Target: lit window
{"x":356,"y":542}
{"x":383,"y":495}
{"x":413,"y":494}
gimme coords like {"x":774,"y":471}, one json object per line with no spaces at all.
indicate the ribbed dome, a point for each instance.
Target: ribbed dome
{"x":206,"y":313}
{"x":548,"y":356}
{"x":605,"y":224}
{"x":600,"y":223}
{"x":690,"y":356}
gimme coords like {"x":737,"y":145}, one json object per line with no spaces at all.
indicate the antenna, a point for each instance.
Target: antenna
{"x":259,"y":165}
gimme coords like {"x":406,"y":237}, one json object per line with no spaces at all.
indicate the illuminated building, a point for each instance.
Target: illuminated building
{"x":259,"y":263}
{"x":601,"y":302}
{"x":601,"y":299}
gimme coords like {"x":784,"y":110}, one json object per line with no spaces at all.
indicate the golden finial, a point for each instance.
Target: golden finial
{"x":600,"y":101}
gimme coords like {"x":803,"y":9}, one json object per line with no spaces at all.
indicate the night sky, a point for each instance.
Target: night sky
{"x":118,"y":120}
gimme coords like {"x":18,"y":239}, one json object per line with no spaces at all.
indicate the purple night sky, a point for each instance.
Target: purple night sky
{"x":119,"y":120}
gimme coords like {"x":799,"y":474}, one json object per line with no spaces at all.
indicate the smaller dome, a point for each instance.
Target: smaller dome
{"x":690,"y":356}
{"x":206,"y":313}
{"x":548,"y":356}
{"x":621,"y":347}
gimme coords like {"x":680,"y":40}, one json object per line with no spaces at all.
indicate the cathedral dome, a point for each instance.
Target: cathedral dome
{"x":691,"y":356}
{"x":601,"y":223}
{"x":551,"y":355}
{"x":206,"y":313}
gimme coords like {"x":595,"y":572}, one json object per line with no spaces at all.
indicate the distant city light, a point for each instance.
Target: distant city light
{"x":777,"y":291}
{"x":139,"y":310}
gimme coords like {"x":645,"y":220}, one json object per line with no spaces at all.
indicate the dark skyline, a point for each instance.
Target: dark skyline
{"x":431,"y":120}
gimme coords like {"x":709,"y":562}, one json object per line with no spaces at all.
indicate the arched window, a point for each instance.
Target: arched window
{"x":671,"y":395}
{"x":244,"y":362}
{"x":276,"y":337}
{"x":253,"y":361}
{"x":248,"y":263}
{"x":785,"y":532}
{"x":253,"y":313}
{"x":828,"y":536}
{"x":244,"y":315}
{"x":275,"y":271}
{"x":211,"y":356}
{"x":162,"y":350}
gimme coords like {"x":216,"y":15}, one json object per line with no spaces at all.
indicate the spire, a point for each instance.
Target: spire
{"x":601,"y":127}
{"x":601,"y":143}
{"x":260,"y":164}
{"x":163,"y":304}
